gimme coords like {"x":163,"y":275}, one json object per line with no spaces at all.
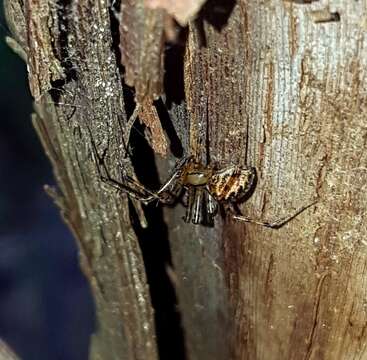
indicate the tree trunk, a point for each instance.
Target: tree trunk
{"x":279,"y":85}
{"x":71,"y":63}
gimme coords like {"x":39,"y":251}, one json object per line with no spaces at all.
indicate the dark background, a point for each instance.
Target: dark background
{"x":46,"y":311}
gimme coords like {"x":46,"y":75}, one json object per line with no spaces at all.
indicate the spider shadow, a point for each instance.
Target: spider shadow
{"x":216,"y":13}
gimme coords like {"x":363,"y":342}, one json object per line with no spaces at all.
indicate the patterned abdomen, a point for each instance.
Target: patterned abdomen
{"x":231,"y":183}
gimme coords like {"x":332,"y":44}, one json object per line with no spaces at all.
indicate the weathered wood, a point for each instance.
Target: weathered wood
{"x":142,"y":45}
{"x":278,"y":85}
{"x":294,"y":87}
{"x":89,"y":103}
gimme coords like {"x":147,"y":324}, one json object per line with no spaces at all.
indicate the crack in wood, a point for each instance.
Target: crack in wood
{"x":315,"y":317}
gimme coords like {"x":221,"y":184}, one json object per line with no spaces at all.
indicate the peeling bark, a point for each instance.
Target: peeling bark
{"x":141,"y":46}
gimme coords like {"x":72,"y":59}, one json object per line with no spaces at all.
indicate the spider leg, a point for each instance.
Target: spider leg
{"x":277,"y":223}
{"x":141,"y":191}
{"x":197,"y":206}
{"x":173,"y":187}
{"x":170,"y":189}
{"x":190,"y":204}
{"x":211,"y":207}
{"x":174,"y":181}
{"x":130,"y":124}
{"x":132,"y":187}
{"x":200,"y":209}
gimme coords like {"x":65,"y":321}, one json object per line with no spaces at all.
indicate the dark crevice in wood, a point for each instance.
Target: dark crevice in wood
{"x":217,"y":12}
{"x":142,"y":157}
{"x":63,"y":15}
{"x":175,"y":143}
{"x":61,"y":50}
{"x":129,"y":106}
{"x":174,"y":72}
{"x":156,"y":253}
{"x":316,"y":318}
{"x":129,"y":101}
{"x":114,"y":11}
{"x":199,"y":26}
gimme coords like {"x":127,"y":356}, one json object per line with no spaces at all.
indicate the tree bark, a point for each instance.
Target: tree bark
{"x":74,"y":79}
{"x":293,"y":86}
{"x":279,"y":85}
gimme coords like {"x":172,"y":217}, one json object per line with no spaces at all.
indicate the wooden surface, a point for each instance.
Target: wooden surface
{"x":279,"y":85}
{"x":89,"y":102}
{"x":296,"y":89}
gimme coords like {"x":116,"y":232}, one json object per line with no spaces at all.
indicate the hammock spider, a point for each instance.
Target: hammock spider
{"x":206,"y":187}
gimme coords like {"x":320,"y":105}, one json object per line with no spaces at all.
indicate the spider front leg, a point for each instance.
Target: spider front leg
{"x":131,"y":187}
{"x":167,"y":194}
{"x":277,"y":223}
{"x":172,"y":188}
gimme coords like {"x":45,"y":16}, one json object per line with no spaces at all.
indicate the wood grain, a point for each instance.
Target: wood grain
{"x":87,"y":104}
{"x":278,"y":85}
{"x":277,"y":90}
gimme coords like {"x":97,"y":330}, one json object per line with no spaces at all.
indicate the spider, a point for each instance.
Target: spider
{"x":206,"y":187}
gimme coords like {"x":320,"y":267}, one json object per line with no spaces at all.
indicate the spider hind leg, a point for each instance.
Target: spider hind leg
{"x":278,"y":223}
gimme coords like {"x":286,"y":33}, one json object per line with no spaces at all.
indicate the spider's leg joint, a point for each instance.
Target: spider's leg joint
{"x":277,"y":223}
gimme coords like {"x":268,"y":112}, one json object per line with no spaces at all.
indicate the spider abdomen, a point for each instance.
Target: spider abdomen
{"x":231,"y":183}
